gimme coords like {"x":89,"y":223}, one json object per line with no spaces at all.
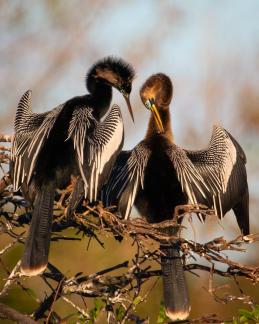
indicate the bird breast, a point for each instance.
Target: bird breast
{"x":162,"y":191}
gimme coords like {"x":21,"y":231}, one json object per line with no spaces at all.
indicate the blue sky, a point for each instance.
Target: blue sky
{"x":189,"y":40}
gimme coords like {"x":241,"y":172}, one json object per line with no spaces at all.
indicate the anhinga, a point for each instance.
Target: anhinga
{"x":157,"y":175}
{"x":69,"y":140}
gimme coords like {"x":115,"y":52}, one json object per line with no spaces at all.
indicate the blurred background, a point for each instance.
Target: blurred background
{"x":210,"y":49}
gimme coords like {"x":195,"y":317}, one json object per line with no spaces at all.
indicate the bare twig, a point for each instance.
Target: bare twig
{"x":5,"y":138}
{"x":123,"y":289}
{"x":4,"y":182}
{"x":80,"y":310}
{"x":7,"y":247}
{"x":6,"y":312}
{"x":12,"y":278}
{"x":57,"y":293}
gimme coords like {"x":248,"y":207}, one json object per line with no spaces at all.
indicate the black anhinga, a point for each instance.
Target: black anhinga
{"x":157,"y":175}
{"x":69,"y":140}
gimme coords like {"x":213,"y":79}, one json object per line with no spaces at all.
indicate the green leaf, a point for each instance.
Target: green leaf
{"x":256,"y":312}
{"x":243,"y":319}
{"x":98,"y":303}
{"x":98,"y":306}
{"x":120,"y":313}
{"x":246,"y":315}
{"x":137,"y":300}
{"x":162,"y":317}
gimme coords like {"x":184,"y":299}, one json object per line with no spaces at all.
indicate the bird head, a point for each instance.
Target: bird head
{"x":156,"y":95}
{"x":115,"y":73}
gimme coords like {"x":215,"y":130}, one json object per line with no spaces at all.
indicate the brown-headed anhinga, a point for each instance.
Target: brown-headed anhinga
{"x":157,"y":175}
{"x":69,"y":140}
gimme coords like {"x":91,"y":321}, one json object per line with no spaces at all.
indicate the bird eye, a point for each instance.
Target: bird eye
{"x":125,"y":88}
{"x":148,"y":104}
{"x":124,"y":92}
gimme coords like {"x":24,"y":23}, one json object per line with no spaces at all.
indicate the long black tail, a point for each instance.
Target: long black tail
{"x":35,"y":256}
{"x":176,"y":298}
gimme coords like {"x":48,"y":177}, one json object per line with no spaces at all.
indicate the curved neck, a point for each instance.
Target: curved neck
{"x":101,"y":96}
{"x":166,"y":120}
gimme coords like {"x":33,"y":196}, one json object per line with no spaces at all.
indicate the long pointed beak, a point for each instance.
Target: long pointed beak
{"x":126,"y":97}
{"x":157,"y":118}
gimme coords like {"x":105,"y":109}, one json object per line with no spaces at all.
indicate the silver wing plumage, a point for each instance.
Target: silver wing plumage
{"x":96,"y":152}
{"x":127,"y":175}
{"x":96,"y":144}
{"x":31,"y":132}
{"x":192,"y":183}
{"x":222,"y":165}
{"x":215,"y":176}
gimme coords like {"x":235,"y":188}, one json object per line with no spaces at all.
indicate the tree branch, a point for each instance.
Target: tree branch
{"x":124,"y":289}
{"x":6,"y":312}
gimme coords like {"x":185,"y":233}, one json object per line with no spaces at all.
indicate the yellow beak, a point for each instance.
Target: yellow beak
{"x":157,"y":118}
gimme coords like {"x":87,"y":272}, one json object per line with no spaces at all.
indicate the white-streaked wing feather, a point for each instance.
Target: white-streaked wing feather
{"x":126,"y":177}
{"x":96,"y":149}
{"x":82,"y":120}
{"x":39,"y":137}
{"x":218,"y":164}
{"x":192,"y":183}
{"x":31,"y":130}
{"x":105,"y":144}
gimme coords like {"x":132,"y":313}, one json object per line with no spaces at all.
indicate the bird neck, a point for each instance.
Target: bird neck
{"x":166,"y":120}
{"x":101,"y":96}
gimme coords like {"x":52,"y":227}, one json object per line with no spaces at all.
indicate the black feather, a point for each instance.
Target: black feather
{"x":69,"y":140}
{"x":117,"y":65}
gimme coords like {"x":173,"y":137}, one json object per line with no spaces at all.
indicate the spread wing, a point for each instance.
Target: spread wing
{"x":31,"y":132}
{"x":127,"y":175}
{"x":97,"y":150}
{"x":192,"y":182}
{"x":222,"y":166}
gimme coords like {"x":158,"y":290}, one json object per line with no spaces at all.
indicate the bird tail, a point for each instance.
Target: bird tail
{"x":176,"y":298}
{"x":35,"y":256}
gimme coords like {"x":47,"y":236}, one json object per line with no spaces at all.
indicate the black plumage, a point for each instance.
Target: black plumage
{"x":69,"y":140}
{"x":157,"y":175}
